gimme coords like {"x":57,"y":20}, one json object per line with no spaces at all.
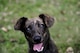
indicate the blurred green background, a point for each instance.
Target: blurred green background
{"x":65,"y":32}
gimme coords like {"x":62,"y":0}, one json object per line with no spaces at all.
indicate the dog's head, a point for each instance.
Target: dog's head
{"x":35,"y":29}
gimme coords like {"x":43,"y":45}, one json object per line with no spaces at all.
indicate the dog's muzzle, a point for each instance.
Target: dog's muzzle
{"x":38,"y":46}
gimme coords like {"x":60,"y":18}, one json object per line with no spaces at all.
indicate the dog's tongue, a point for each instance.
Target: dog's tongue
{"x":38,"y":47}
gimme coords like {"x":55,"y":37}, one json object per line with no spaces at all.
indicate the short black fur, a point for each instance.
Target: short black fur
{"x":35,"y":30}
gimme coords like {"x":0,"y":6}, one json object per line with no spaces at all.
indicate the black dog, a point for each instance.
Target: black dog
{"x":37,"y":33}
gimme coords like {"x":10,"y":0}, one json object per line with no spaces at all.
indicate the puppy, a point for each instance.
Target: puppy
{"x":36,"y":31}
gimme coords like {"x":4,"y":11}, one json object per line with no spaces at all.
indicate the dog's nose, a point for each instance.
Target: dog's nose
{"x":37,"y":39}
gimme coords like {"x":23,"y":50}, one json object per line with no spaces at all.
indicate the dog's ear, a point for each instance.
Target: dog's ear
{"x":20,"y":23}
{"x":48,"y":20}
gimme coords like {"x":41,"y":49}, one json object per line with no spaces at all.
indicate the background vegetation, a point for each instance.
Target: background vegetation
{"x":65,"y":32}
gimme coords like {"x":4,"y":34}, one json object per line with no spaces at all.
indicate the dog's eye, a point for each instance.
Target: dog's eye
{"x":28,"y":29}
{"x":41,"y":25}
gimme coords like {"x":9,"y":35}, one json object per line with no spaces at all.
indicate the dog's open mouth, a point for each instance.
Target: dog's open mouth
{"x":38,"y":47}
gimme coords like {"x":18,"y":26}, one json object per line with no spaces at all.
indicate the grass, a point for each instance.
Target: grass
{"x":65,"y":31}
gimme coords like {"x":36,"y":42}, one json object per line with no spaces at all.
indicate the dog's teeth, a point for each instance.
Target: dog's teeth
{"x":40,"y":49}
